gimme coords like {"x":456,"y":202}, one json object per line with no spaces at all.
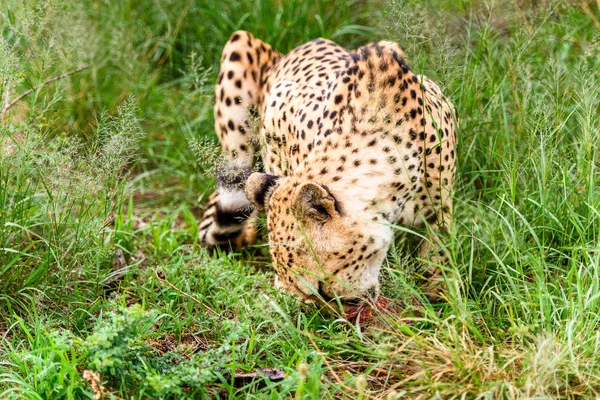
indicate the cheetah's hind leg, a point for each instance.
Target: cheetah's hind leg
{"x":433,"y":254}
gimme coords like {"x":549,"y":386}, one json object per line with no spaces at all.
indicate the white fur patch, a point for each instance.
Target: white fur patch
{"x":232,"y":199}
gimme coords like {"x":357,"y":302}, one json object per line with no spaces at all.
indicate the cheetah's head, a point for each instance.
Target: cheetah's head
{"x":319,"y":249}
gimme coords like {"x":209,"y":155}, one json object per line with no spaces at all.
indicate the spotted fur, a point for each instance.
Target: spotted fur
{"x":352,"y":142}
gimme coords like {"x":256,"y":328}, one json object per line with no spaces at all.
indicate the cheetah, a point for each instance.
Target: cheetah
{"x":352,"y":143}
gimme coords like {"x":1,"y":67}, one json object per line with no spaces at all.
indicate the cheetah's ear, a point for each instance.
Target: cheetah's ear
{"x":259,"y":188}
{"x":313,"y":203}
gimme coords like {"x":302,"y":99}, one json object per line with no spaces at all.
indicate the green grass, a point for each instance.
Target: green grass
{"x":103,"y":176}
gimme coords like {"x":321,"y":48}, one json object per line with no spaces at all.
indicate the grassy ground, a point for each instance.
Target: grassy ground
{"x":103,"y":173}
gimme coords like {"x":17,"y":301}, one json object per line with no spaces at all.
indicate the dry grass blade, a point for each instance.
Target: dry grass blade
{"x":160,"y":275}
{"x":100,"y":392}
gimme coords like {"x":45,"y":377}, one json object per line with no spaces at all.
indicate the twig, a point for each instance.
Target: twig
{"x":28,"y":92}
{"x":586,"y":9}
